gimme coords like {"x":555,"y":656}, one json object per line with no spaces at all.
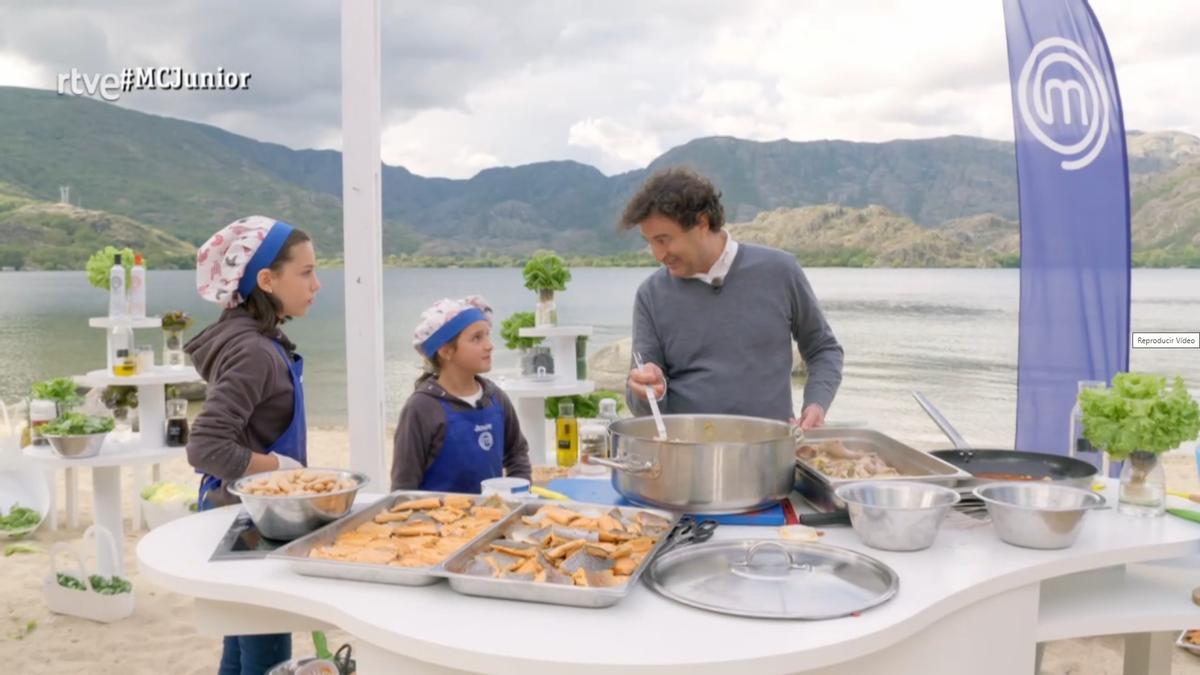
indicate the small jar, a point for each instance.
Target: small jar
{"x":593,"y":442}
{"x":145,"y":359}
{"x":177,"y":422}
{"x":41,"y":413}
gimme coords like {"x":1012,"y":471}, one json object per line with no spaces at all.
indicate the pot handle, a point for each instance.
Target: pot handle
{"x":943,"y":423}
{"x":650,"y":469}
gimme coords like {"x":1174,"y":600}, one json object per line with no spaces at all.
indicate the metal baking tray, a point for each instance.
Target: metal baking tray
{"x":532,"y":591}
{"x":913,"y":465}
{"x":296,"y":552}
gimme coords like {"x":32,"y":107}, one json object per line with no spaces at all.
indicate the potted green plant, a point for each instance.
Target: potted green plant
{"x":544,"y":274}
{"x":532,"y":354}
{"x":61,"y":390}
{"x":173,"y":325}
{"x":121,"y":400}
{"x":1136,"y":420}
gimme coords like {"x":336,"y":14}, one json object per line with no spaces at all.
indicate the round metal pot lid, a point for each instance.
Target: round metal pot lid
{"x":773,"y":579}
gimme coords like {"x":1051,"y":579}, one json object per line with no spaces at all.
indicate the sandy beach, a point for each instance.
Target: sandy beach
{"x":160,"y":637}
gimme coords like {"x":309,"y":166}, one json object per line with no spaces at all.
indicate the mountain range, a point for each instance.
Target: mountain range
{"x":163,"y":185}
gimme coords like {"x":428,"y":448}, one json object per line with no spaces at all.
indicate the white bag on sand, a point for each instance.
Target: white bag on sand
{"x":85,"y":604}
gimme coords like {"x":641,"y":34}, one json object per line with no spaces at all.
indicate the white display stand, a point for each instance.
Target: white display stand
{"x":106,"y":323}
{"x":529,"y":395}
{"x":148,"y":447}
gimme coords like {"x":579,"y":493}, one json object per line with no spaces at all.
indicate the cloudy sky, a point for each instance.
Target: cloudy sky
{"x":470,"y":85}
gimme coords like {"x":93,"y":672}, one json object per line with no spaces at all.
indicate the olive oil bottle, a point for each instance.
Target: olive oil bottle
{"x":566,"y":435}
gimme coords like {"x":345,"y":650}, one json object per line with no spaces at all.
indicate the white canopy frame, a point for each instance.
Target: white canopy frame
{"x":362,"y":231}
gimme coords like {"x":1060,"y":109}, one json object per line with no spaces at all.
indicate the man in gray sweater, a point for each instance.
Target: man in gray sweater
{"x":715,"y":324}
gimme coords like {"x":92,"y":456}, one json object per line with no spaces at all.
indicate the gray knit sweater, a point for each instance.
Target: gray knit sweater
{"x":727,"y":348}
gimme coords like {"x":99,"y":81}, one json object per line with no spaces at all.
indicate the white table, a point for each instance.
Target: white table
{"x":970,"y":599}
{"x":106,"y":485}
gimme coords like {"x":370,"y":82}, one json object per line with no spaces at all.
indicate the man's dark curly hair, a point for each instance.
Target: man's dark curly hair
{"x":679,"y":193}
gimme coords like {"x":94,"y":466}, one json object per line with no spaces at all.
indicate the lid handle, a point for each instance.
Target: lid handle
{"x":749,"y":562}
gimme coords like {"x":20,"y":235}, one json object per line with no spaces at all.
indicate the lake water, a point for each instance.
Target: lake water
{"x":949,"y":333}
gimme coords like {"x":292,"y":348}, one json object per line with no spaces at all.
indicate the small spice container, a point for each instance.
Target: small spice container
{"x":593,"y":442}
{"x":145,"y":359}
{"x":177,"y":422}
{"x":41,"y":413}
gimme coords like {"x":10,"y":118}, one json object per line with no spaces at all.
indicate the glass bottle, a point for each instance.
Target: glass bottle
{"x":137,"y":288}
{"x":608,"y":415}
{"x":118,"y":302}
{"x":1077,"y":442}
{"x":177,"y":422}
{"x":120,"y":339}
{"x":566,"y":435}
{"x":581,"y":369}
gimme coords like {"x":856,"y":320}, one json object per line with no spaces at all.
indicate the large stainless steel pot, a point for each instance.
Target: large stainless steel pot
{"x":708,"y":464}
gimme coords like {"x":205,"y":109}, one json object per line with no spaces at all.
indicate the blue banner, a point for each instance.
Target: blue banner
{"x":1073,"y":185}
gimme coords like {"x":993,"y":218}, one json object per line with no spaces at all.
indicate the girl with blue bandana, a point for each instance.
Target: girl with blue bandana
{"x":458,"y":428}
{"x":262,"y":272}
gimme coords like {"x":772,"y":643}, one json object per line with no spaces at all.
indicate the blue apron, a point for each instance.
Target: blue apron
{"x":293,"y":442}
{"x":472,"y":452}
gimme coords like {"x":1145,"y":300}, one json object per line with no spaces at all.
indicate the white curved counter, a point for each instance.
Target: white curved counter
{"x":970,"y":599}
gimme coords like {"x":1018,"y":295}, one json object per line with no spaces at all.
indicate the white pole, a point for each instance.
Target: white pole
{"x":363,"y":236}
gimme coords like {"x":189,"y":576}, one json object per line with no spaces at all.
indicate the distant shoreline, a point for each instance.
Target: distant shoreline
{"x":512,"y":262}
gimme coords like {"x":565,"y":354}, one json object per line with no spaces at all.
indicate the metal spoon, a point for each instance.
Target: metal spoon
{"x":658,"y":420}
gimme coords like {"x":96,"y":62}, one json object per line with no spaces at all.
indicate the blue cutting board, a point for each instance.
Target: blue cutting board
{"x":598,"y":491}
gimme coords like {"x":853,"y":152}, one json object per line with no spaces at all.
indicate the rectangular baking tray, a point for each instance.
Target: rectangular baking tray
{"x":913,"y":464}
{"x":554,"y":594}
{"x":296,"y":552}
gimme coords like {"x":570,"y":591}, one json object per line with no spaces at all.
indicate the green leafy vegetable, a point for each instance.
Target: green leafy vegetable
{"x":545,"y":271}
{"x":509,"y":330}
{"x":176,"y":320}
{"x":20,"y":518}
{"x":119,"y":396}
{"x":102,"y":261}
{"x":60,"y":389}
{"x":110,"y":585}
{"x":1139,"y":412}
{"x":586,"y":406}
{"x":78,"y":424}
{"x":168,"y":492}
{"x":68,"y":581}
{"x":15,"y":549}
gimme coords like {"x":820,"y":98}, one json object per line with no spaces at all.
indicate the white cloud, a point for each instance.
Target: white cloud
{"x":469,"y":85}
{"x":615,"y":140}
{"x":17,"y":71}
